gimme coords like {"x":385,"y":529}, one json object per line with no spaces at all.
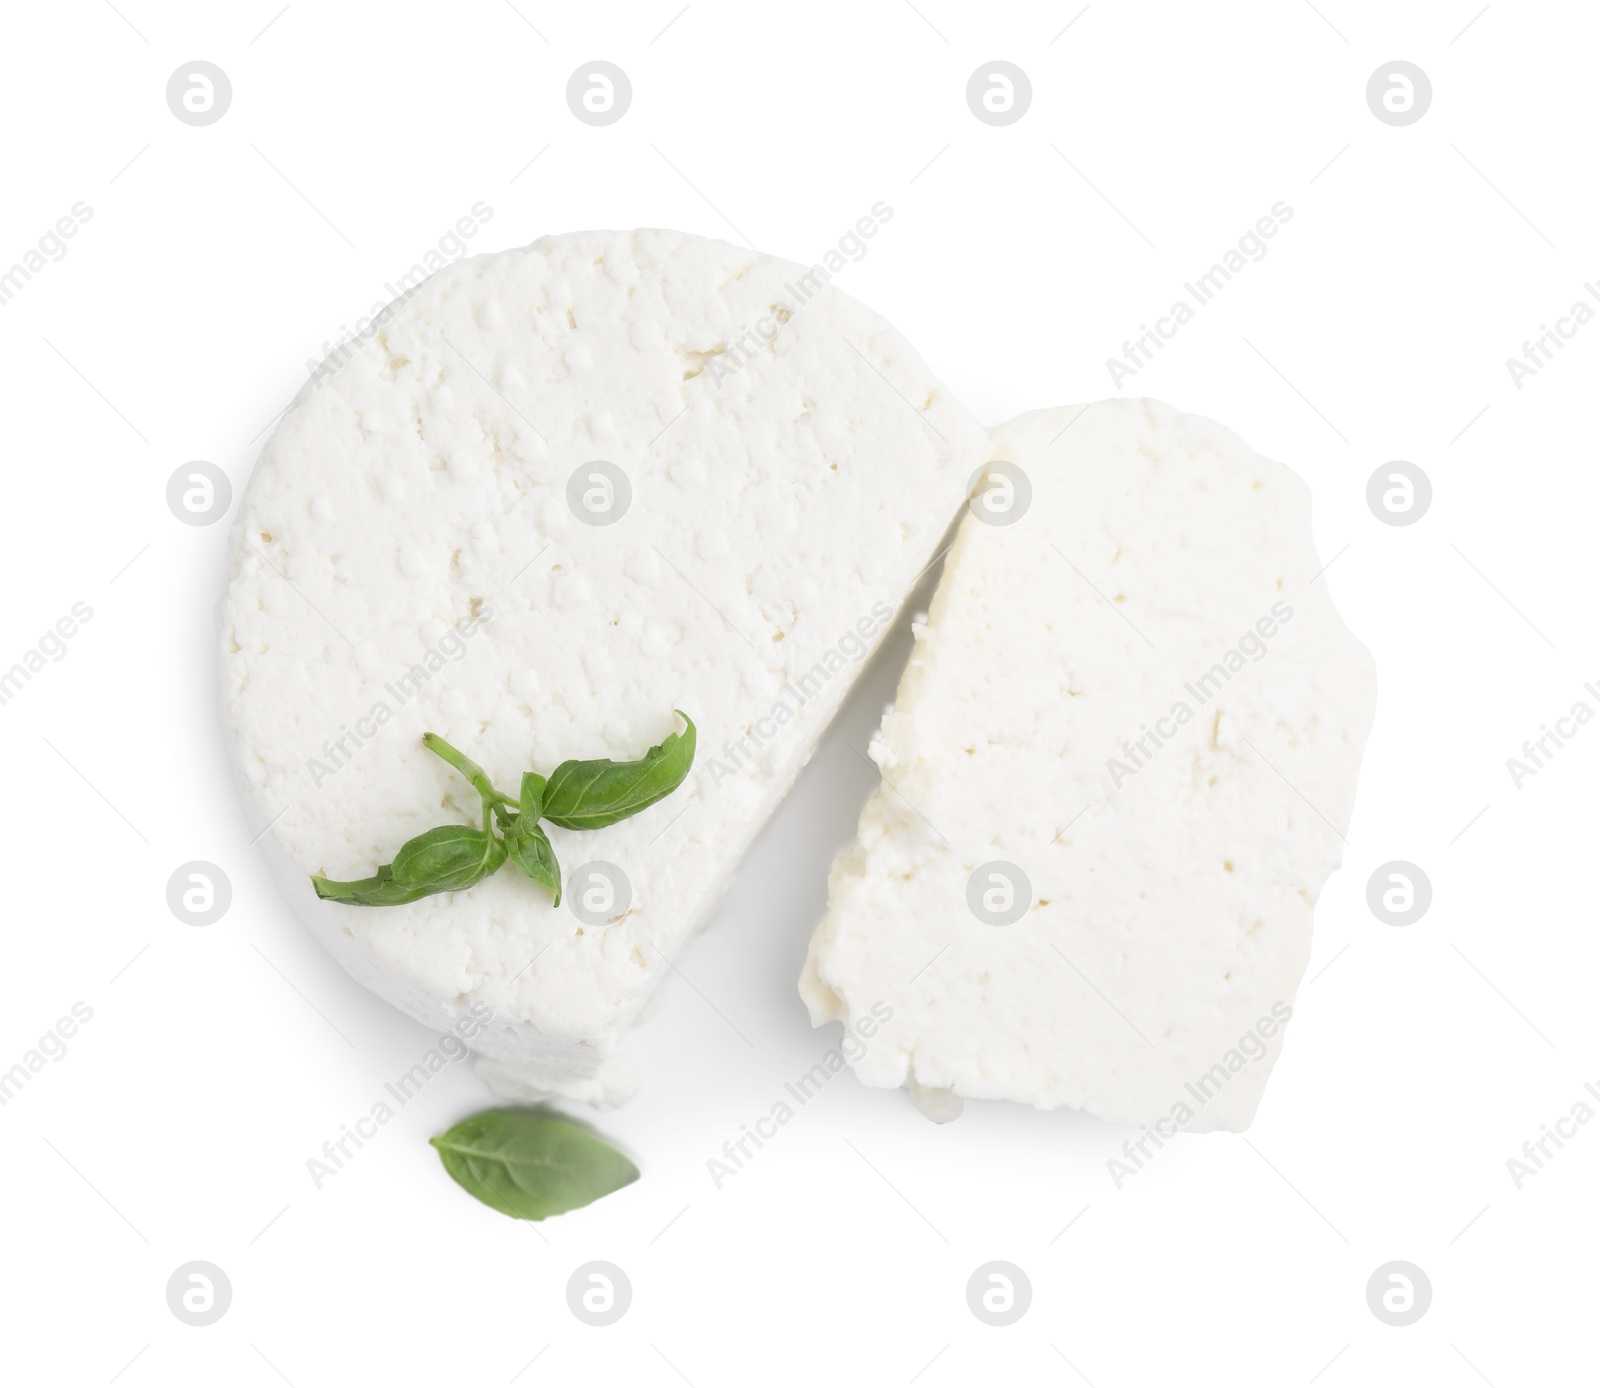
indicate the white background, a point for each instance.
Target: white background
{"x":219,"y":260}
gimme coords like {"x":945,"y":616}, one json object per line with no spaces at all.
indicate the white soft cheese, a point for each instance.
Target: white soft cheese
{"x":408,"y":558}
{"x":1136,"y":694}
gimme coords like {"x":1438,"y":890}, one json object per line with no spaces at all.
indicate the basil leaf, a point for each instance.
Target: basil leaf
{"x":529,"y":1163}
{"x":593,"y":794}
{"x":379,"y":890}
{"x":532,"y":803}
{"x":530,"y":850}
{"x":527,"y":845}
{"x":450,"y":858}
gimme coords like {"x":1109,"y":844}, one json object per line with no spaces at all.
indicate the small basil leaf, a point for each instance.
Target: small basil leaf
{"x":593,"y":794}
{"x":531,"y":805}
{"x":378,"y":890}
{"x":530,"y":1164}
{"x":450,"y":858}
{"x":530,"y":850}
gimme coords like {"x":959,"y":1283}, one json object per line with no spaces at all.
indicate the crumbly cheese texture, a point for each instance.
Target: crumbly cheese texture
{"x":1136,"y":694}
{"x":409,"y":557}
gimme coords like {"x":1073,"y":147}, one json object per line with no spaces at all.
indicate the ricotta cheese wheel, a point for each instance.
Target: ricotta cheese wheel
{"x":553,"y":495}
{"x":1117,"y":773}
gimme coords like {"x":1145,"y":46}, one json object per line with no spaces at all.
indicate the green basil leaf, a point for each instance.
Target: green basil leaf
{"x":593,"y":794}
{"x":531,"y":806}
{"x":450,"y":858}
{"x":378,"y":890}
{"x":529,"y":1163}
{"x":529,"y":848}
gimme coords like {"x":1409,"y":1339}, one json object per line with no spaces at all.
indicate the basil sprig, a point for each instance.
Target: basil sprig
{"x":577,"y":795}
{"x":529,"y":1163}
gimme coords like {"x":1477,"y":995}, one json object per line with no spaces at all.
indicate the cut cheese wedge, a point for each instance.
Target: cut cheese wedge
{"x":547,"y":499}
{"x":1118,"y":771}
